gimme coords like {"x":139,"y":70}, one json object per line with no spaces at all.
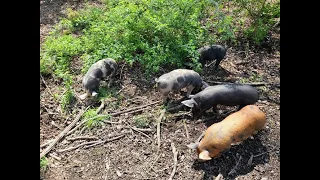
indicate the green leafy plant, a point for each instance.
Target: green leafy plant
{"x":262,"y":14}
{"x":93,"y":119}
{"x":142,"y":121}
{"x":43,"y":163}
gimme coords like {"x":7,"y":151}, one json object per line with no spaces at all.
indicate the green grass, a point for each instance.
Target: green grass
{"x":93,"y":119}
{"x":142,"y":121}
{"x":43,"y":163}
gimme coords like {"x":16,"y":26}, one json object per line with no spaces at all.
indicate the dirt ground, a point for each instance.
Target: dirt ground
{"x":134,"y":155}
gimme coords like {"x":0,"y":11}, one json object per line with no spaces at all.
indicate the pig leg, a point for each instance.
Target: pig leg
{"x":189,"y":90}
{"x":215,"y":109}
{"x":165,"y":97}
{"x":112,"y":75}
{"x":217,"y":64}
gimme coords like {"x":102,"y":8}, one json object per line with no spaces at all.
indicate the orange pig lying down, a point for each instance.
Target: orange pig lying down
{"x":234,"y":128}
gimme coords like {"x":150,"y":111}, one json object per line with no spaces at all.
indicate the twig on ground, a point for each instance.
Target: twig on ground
{"x":46,"y":143}
{"x":62,"y":134}
{"x":142,"y":130}
{"x":44,"y":82}
{"x":260,"y":154}
{"x":133,"y":109}
{"x":163,"y":111}
{"x":77,"y":146}
{"x":250,"y":160}
{"x":186,"y":128}
{"x":61,"y":95}
{"x":107,"y":167}
{"x":233,"y":170}
{"x":55,"y":156}
{"x":104,"y":141}
{"x":100,"y":107}
{"x":141,"y":133}
{"x":200,"y":137}
{"x":121,"y":90}
{"x":175,"y":160}
{"x":55,"y":125}
{"x":83,"y":138}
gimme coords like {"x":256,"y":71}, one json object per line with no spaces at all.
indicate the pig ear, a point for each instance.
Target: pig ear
{"x":193,"y":145}
{"x":189,"y":103}
{"x":204,"y":155}
{"x":156,"y":79}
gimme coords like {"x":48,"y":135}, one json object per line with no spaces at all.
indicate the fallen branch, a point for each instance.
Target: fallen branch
{"x":62,"y":134}
{"x":142,"y":130}
{"x":185,"y":127}
{"x":100,"y":107}
{"x":135,"y":129}
{"x":200,"y":137}
{"x":102,"y":142}
{"x":82,"y":138}
{"x":175,"y":161}
{"x":46,"y":143}
{"x":55,"y":157}
{"x":256,"y":84}
{"x":77,"y":146}
{"x":132,"y":109}
{"x":158,"y":126}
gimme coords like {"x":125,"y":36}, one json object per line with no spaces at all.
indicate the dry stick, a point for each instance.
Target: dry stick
{"x":200,"y":137}
{"x":185,"y":127}
{"x":44,"y":82}
{"x":158,"y":126}
{"x":75,"y":147}
{"x":46,"y":143}
{"x":141,"y":133}
{"x":142,"y":130}
{"x":100,"y":107}
{"x":175,"y":160}
{"x":62,"y":134}
{"x":82,"y":138}
{"x":132,"y":109}
{"x":102,"y":142}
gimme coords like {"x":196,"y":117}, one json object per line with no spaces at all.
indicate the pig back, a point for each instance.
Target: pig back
{"x":178,"y":79}
{"x":234,"y":128}
{"x":244,"y":123}
{"x":228,"y":94}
